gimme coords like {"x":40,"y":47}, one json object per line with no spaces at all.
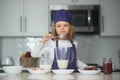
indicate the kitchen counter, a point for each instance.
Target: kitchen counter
{"x":52,"y":76}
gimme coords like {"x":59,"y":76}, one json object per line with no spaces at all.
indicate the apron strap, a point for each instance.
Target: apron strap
{"x":56,"y":43}
{"x":73,"y":65}
{"x":72,"y":43}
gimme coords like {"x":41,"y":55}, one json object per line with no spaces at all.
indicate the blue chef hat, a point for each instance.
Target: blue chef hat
{"x":62,"y":15}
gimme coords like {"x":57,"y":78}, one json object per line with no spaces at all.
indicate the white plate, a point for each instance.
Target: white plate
{"x":37,"y":71}
{"x":63,"y":71}
{"x":89,"y":71}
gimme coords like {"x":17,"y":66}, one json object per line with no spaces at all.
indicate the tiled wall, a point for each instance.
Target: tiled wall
{"x":91,"y":49}
{"x":94,"y":49}
{"x":15,"y":47}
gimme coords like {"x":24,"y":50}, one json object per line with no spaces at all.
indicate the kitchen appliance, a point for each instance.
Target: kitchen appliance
{"x":85,"y":18}
{"x":7,"y":61}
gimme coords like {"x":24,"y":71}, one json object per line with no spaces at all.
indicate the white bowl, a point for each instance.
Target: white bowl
{"x":12,"y":69}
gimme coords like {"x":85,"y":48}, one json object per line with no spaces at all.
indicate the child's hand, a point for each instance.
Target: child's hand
{"x":46,"y":37}
{"x":90,"y":68}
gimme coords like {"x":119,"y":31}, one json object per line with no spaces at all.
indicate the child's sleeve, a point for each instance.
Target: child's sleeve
{"x":37,"y":48}
{"x":80,"y":64}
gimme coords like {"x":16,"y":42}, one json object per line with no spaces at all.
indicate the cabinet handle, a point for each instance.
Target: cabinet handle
{"x":102,"y":27}
{"x":89,"y":17}
{"x":25,"y":24}
{"x":20,"y":23}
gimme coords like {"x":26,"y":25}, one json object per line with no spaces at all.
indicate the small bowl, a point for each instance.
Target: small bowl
{"x":12,"y":69}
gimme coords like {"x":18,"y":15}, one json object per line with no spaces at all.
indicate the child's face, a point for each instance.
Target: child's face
{"x":62,"y":27}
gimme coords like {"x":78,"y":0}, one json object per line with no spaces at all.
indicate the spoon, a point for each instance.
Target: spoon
{"x":59,"y":36}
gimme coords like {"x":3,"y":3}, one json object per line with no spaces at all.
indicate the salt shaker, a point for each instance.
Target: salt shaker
{"x":107,"y":65}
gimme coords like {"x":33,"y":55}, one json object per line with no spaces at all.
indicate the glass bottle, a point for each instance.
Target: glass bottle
{"x":107,"y":65}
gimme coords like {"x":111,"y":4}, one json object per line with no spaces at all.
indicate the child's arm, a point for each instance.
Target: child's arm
{"x":80,"y":64}
{"x":36,"y":50}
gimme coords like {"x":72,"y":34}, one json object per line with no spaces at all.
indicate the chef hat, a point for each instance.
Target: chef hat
{"x":62,"y":15}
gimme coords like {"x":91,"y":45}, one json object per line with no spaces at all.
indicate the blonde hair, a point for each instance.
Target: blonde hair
{"x":70,"y":36}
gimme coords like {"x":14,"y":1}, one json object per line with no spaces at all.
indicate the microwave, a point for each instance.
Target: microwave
{"x":85,"y":18}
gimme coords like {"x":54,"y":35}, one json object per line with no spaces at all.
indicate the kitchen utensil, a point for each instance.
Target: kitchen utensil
{"x":8,"y":61}
{"x":45,"y":64}
{"x":59,"y":36}
{"x":13,"y":70}
{"x":45,"y":61}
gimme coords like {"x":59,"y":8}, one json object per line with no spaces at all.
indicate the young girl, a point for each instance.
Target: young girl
{"x":62,"y":26}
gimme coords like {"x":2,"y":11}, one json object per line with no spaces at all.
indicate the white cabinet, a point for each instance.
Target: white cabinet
{"x":10,"y":17}
{"x":87,"y":2}
{"x":0,"y":16}
{"x":24,"y":17}
{"x":36,"y":17}
{"x":61,"y":2}
{"x":110,"y":18}
{"x":75,"y":2}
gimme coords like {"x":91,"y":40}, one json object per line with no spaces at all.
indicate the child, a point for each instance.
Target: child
{"x":62,"y":26}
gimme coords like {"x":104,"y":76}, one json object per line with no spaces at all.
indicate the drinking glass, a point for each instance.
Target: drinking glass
{"x":62,"y":56}
{"x":45,"y":64}
{"x":45,"y":61}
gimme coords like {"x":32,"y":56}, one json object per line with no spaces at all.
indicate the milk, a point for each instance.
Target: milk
{"x":62,"y":64}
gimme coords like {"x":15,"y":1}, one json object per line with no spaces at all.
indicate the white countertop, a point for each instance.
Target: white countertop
{"x":52,"y":76}
{"x":23,"y":68}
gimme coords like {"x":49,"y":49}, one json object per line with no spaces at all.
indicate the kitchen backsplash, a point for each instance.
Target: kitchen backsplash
{"x":91,"y":49}
{"x":15,"y":47}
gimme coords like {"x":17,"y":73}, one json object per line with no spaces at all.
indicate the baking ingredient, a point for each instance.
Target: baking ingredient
{"x":62,"y":64}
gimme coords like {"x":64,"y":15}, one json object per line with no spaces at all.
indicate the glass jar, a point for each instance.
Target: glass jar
{"x":107,"y":65}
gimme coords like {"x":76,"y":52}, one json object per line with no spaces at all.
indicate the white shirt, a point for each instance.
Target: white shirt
{"x":48,"y":48}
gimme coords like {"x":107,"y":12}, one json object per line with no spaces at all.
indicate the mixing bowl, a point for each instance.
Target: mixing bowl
{"x":12,"y":69}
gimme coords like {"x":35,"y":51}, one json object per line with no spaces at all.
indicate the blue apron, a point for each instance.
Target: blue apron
{"x":72,"y":59}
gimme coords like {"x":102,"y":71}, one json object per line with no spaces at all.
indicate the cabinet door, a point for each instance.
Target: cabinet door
{"x":10,"y":15}
{"x":81,"y":2}
{"x":61,"y":2}
{"x":87,"y":2}
{"x":36,"y":17}
{"x":0,"y":17}
{"x":110,"y":17}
